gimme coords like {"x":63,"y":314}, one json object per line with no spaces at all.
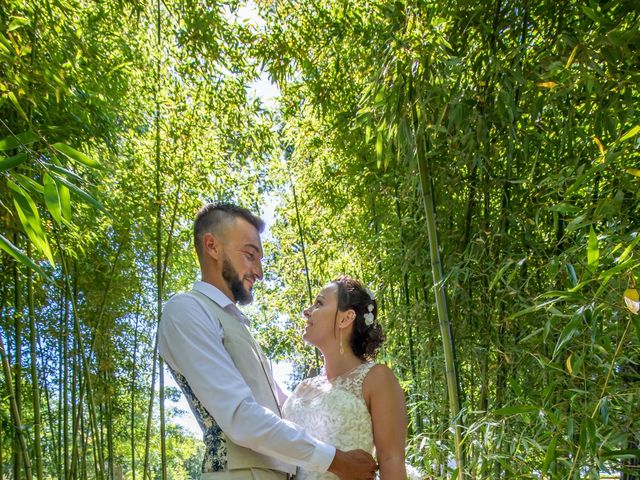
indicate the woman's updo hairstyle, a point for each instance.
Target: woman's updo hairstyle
{"x":366,"y":336}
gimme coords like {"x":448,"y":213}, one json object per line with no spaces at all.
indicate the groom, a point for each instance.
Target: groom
{"x":204,"y":339}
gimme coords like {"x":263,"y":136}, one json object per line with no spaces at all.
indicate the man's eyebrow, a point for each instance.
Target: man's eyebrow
{"x":251,"y":245}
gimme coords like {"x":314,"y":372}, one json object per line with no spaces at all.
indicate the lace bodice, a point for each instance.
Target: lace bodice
{"x":333,"y":411}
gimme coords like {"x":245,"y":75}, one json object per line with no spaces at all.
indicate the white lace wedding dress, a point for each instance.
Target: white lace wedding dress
{"x":333,"y":411}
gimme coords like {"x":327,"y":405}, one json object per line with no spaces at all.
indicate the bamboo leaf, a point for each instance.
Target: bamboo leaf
{"x":14,"y":141}
{"x":572,"y":56}
{"x":379,"y":147}
{"x":535,"y":308}
{"x":569,"y":330}
{"x":565,"y":209}
{"x":499,"y":274}
{"x":632,"y":300}
{"x":627,"y":251}
{"x":632,"y":132}
{"x":623,"y":454}
{"x":30,"y":219}
{"x":64,"y":171}
{"x":28,"y":183}
{"x":593,"y":253}
{"x":547,"y":84}
{"x":516,"y":410}
{"x":591,"y":433}
{"x":572,"y":273}
{"x":52,"y":198}
{"x":592,"y":14}
{"x":576,"y":223}
{"x":550,"y":456}
{"x":7,"y":163}
{"x":633,"y":171}
{"x":74,"y":154}
{"x":568,"y":364}
{"x":601,"y":148}
{"x":86,"y":197}
{"x":584,"y":176}
{"x":16,"y":104}
{"x":65,"y":202}
{"x":17,"y":22}
{"x":20,"y":256}
{"x":636,"y":324}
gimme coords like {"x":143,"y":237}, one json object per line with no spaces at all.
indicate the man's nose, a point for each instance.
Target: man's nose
{"x":258,"y":270}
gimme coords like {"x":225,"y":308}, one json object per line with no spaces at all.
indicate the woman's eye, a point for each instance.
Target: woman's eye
{"x":250,"y":256}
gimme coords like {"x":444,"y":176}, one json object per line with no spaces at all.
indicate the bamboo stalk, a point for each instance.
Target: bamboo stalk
{"x":159,"y":272}
{"x":76,"y":413}
{"x":441,"y":299}
{"x":50,"y":418}
{"x":15,"y":412}
{"x":64,"y":388}
{"x":34,"y":373}
{"x":17,"y":388}
{"x":133,"y":394}
{"x":93,"y":424}
{"x":2,"y":426}
{"x":306,"y":265}
{"x":146,"y":472}
{"x":415,"y":386}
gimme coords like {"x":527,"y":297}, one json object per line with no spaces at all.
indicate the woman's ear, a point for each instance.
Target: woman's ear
{"x":348,"y":318}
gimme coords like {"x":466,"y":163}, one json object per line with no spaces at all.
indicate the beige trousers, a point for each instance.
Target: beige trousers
{"x":246,"y":474}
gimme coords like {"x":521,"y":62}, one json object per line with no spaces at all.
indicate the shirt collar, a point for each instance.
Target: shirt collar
{"x":213,"y":293}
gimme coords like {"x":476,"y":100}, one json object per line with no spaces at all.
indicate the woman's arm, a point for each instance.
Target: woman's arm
{"x":385,"y":399}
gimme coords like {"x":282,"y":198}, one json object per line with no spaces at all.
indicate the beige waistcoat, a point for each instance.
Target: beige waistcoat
{"x":254,"y":368}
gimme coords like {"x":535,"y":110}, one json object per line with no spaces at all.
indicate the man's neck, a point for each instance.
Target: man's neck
{"x":217,"y":281}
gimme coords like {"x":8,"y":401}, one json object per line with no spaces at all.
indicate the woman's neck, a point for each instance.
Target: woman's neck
{"x":336,"y":363}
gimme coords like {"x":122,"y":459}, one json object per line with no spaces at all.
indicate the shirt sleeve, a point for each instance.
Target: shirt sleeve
{"x":282,"y":397}
{"x":190,"y":341}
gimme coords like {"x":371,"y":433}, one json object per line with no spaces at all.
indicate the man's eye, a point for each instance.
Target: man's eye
{"x":250,"y":256}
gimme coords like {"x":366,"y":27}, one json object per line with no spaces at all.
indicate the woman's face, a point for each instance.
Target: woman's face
{"x":321,"y":318}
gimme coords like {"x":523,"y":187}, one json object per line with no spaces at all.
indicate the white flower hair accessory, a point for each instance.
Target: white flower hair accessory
{"x":368,"y":317}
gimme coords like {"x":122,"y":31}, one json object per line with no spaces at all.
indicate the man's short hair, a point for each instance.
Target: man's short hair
{"x":212,"y":217}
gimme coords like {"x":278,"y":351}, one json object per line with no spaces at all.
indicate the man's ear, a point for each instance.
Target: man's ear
{"x":211,"y":246}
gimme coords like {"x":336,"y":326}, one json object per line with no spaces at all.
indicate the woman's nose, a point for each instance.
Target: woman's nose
{"x":306,"y":312}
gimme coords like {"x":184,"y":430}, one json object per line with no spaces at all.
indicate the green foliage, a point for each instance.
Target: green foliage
{"x":527,"y":114}
{"x":118,"y":120}
{"x":111,"y":138}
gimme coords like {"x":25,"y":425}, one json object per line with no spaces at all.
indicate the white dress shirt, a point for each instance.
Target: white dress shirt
{"x":190,"y":342}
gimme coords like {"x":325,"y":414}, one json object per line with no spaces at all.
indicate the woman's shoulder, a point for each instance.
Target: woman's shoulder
{"x":379,"y":376}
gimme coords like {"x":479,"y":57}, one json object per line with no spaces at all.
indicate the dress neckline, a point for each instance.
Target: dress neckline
{"x":345,"y":374}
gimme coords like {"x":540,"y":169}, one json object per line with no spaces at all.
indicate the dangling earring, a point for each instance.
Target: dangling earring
{"x":341,"y":347}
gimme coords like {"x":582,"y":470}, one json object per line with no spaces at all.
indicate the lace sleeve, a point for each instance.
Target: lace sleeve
{"x":352,"y":382}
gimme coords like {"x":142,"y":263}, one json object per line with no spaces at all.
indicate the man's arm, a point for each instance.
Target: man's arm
{"x":190,"y":341}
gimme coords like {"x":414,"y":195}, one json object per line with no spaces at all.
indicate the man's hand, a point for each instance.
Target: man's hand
{"x":353,"y":465}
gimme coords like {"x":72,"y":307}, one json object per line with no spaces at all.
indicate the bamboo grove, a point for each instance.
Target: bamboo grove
{"x":476,"y":163}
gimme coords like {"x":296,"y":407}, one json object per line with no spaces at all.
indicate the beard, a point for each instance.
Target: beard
{"x":234,"y":282}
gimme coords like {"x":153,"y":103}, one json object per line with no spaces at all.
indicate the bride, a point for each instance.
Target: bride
{"x":355,"y":403}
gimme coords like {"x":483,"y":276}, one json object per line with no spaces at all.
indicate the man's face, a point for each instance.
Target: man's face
{"x":242,"y":260}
